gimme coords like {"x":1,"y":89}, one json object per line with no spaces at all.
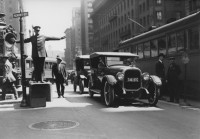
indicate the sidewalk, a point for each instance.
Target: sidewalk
{"x":187,"y":102}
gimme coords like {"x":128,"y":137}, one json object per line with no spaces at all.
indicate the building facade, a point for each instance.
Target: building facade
{"x":68,"y":51}
{"x":76,"y":31}
{"x":192,"y":6}
{"x":86,"y":26}
{"x":118,"y":20}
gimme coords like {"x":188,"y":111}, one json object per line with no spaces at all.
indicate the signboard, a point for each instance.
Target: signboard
{"x":22,"y":14}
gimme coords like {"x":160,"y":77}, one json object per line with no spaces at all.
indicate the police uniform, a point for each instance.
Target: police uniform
{"x":39,"y":52}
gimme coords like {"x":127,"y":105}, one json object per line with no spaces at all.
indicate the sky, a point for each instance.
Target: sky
{"x":54,"y":17}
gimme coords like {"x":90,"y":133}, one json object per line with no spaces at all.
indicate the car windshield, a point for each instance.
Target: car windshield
{"x":119,"y":60}
{"x":87,"y":64}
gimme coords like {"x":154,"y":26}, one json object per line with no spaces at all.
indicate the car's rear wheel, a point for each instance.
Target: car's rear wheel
{"x":81,"y":86}
{"x":153,"y":94}
{"x":109,"y":95}
{"x":91,"y":94}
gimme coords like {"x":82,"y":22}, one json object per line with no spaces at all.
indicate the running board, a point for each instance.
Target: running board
{"x":96,"y":91}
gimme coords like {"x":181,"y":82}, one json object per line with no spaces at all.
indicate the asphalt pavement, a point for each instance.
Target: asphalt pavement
{"x":80,"y":117}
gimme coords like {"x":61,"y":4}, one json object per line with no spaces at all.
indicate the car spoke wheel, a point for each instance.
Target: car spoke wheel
{"x":81,"y":86}
{"x":153,"y":94}
{"x":91,"y":94}
{"x":109,"y":95}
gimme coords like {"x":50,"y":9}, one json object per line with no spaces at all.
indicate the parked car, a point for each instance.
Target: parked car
{"x":115,"y":75}
{"x":82,"y":70}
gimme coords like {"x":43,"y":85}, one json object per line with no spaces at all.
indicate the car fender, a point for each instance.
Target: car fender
{"x":156,"y":80}
{"x":111,"y":79}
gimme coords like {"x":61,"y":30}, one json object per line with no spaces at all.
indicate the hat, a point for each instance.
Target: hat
{"x":36,"y":27}
{"x":161,"y":54}
{"x":172,"y":58}
{"x":58,"y":57}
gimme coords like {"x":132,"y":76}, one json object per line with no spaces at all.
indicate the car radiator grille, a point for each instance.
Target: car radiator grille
{"x":132,"y":79}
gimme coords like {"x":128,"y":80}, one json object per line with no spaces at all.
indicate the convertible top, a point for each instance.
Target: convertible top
{"x":83,"y":57}
{"x":113,"y":54}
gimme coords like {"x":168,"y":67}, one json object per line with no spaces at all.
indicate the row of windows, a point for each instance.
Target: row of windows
{"x":29,"y":64}
{"x":170,"y":44}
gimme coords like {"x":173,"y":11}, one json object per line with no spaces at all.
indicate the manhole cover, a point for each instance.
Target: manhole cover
{"x":54,"y":125}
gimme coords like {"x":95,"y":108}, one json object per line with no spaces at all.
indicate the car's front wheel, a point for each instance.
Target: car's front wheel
{"x":91,"y":94}
{"x":154,"y":91}
{"x":81,"y":86}
{"x":109,"y":95}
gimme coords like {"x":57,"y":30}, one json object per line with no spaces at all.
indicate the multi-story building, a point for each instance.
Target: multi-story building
{"x":117,"y":20}
{"x":76,"y":32}
{"x":86,"y":26}
{"x":68,"y":49}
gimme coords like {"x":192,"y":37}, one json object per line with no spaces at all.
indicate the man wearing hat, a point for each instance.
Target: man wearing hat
{"x":59,"y":75}
{"x":160,"y":72}
{"x":8,"y":77}
{"x":39,"y":51}
{"x":173,"y":73}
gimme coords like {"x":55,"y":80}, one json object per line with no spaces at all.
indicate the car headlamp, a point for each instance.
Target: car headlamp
{"x":120,"y":76}
{"x":146,"y":76}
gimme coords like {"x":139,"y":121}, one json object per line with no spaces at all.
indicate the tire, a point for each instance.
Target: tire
{"x":81,"y":86}
{"x":91,"y":94}
{"x":153,"y":94}
{"x":109,"y":95}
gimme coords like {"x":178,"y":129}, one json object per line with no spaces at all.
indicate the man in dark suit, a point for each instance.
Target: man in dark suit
{"x":39,"y":52}
{"x":59,"y":75}
{"x":173,"y":73}
{"x":160,"y":72}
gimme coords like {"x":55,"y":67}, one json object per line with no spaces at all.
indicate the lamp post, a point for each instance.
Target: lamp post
{"x":23,"y":56}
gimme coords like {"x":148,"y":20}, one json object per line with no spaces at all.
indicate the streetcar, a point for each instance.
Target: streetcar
{"x":180,"y":39}
{"x":29,"y":67}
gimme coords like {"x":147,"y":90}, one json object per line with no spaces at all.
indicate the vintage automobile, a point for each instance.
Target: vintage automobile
{"x":82,"y":64}
{"x":114,"y":75}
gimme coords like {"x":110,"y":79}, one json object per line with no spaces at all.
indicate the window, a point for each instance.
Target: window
{"x":158,"y":1}
{"x":133,"y":49}
{"x":171,"y":43}
{"x":180,"y":41}
{"x":162,"y":45}
{"x":154,"y":48}
{"x":193,"y":34}
{"x":159,"y":15}
{"x":140,"y":50}
{"x":146,"y":49}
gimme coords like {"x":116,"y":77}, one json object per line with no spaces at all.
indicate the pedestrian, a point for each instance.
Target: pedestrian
{"x":59,"y":74}
{"x":39,"y":52}
{"x":8,"y":78}
{"x":160,"y":72}
{"x":173,"y":73}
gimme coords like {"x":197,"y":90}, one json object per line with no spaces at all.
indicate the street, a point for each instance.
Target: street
{"x":93,"y":120}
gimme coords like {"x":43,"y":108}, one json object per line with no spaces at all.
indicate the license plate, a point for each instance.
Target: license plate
{"x":132,"y":79}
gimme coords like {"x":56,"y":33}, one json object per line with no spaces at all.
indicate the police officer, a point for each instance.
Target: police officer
{"x":173,"y":73}
{"x":39,"y":52}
